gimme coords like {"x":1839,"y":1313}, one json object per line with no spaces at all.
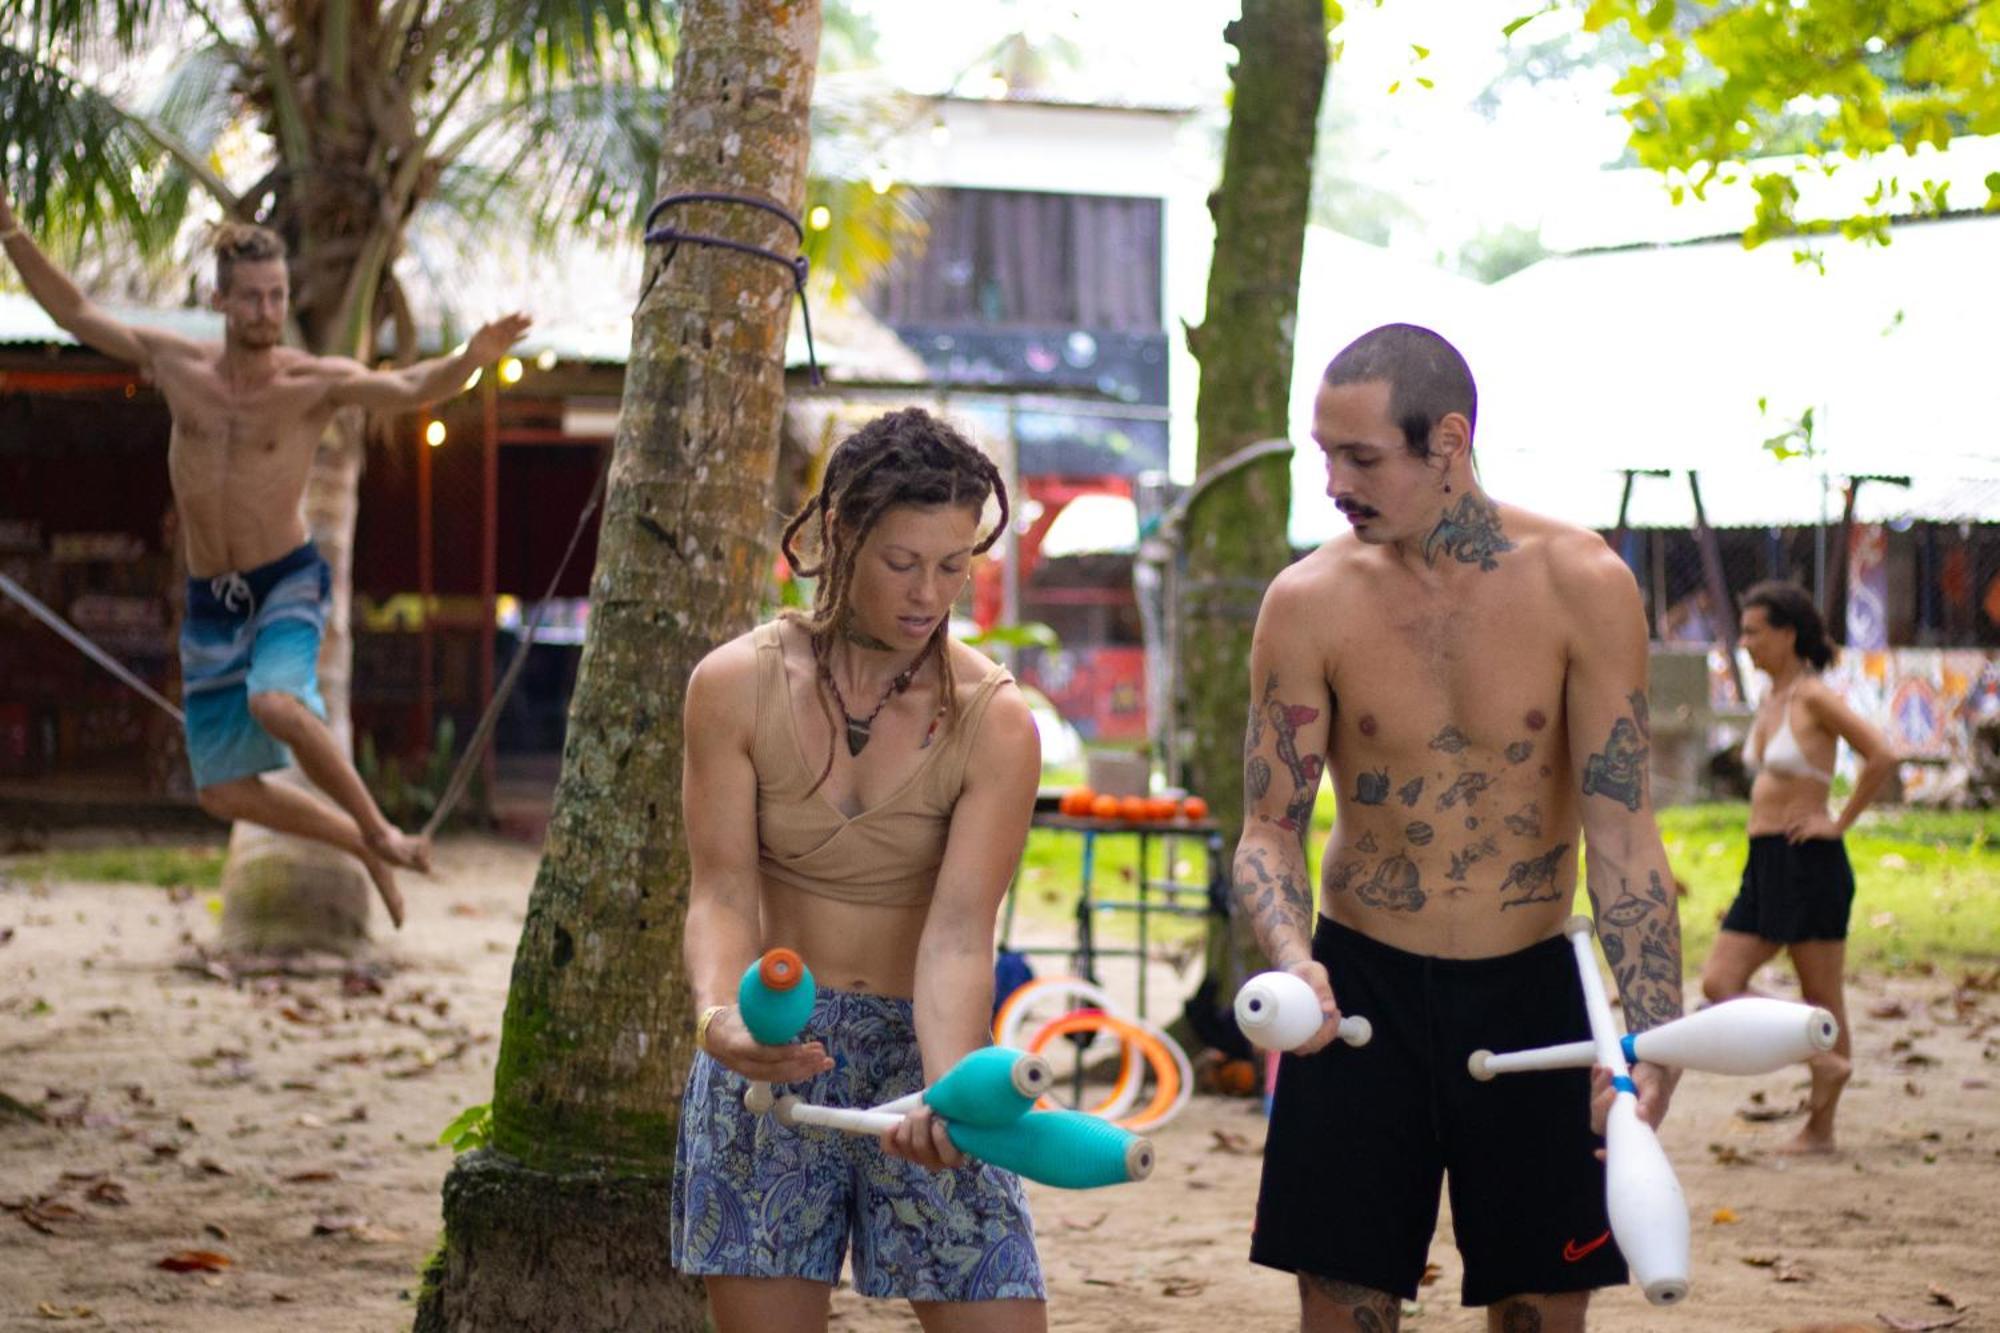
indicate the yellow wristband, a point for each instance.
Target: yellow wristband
{"x":701,"y":1025}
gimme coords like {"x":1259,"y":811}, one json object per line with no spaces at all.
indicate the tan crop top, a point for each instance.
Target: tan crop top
{"x":886,"y":856}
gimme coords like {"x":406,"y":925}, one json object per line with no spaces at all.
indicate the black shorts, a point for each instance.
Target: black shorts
{"x":1793,"y":891}
{"x":1360,"y":1136}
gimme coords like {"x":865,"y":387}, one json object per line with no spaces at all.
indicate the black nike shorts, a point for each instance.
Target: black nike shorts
{"x":1361,"y":1137}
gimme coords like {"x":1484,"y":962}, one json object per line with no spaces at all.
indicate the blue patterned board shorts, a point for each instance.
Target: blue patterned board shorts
{"x":246,"y":634}
{"x":753,"y":1198}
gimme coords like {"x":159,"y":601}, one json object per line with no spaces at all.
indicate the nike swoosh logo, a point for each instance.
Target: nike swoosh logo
{"x":1573,"y":1252}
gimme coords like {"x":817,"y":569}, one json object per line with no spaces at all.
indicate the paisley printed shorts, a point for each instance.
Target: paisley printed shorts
{"x":753,"y":1198}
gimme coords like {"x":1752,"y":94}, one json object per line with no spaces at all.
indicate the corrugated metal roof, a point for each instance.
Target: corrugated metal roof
{"x":23,"y":322}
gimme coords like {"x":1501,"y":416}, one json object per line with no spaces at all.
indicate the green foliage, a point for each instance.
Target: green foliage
{"x":539,"y":119}
{"x":1029,"y":634}
{"x":1722,"y":83}
{"x":470,"y":1129}
{"x":408,"y":799}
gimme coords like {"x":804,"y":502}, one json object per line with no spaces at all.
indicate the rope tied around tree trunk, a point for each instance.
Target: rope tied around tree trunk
{"x":799,"y":265}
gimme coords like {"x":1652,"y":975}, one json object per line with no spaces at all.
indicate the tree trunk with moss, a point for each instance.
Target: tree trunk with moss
{"x":1236,"y":534}
{"x":561,"y":1222}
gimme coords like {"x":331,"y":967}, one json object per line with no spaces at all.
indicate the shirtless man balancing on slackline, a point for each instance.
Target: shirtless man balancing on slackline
{"x":248,"y":415}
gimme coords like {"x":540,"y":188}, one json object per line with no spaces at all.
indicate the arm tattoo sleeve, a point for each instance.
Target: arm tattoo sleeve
{"x":1619,"y":771}
{"x":1641,"y":935}
{"x":1278,"y":903}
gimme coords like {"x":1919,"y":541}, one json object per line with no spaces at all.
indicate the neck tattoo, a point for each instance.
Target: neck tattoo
{"x":858,"y":727}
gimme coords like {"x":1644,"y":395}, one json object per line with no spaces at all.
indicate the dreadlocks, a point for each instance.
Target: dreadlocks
{"x":900,"y":458}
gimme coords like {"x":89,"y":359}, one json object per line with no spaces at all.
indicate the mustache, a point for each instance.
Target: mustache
{"x":1356,"y":510}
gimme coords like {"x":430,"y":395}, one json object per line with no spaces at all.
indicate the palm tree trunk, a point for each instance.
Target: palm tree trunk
{"x":282,"y":894}
{"x":562,"y":1222}
{"x":1237,"y":534}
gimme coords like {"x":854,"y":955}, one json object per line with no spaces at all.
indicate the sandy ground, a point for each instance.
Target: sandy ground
{"x":288,"y":1126}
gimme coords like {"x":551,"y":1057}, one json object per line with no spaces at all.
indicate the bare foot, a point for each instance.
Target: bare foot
{"x":385,"y":884}
{"x":1809,"y":1143}
{"x":402,"y":849}
{"x":1830,"y":1073}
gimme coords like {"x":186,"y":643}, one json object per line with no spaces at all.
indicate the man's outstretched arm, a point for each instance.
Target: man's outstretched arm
{"x":407,"y":388}
{"x":1284,"y":745}
{"x":66,"y":305}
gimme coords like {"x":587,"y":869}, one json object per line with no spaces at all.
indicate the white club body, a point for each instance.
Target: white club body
{"x":1753,"y":1035}
{"x":1641,"y":1193}
{"x":1279,"y":1012}
{"x":853,"y":1120}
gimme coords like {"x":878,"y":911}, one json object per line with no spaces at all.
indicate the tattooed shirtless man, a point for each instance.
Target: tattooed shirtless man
{"x":1474,"y":677}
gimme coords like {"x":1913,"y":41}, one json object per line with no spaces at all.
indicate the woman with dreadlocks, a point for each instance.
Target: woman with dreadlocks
{"x":858,"y":788}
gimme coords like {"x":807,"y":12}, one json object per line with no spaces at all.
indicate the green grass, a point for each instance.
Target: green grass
{"x":196,"y":867}
{"x":1929,"y":882}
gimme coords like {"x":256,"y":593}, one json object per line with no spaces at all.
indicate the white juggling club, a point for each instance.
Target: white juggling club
{"x":1648,"y":1212}
{"x":1278,"y":1011}
{"x":1753,"y":1035}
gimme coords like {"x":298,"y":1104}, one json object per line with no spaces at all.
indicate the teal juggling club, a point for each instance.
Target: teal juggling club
{"x":1066,"y":1149}
{"x":775,"y":998}
{"x":992,"y":1086}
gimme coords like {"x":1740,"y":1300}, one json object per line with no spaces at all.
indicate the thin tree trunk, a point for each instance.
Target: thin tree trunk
{"x":282,"y":894}
{"x":1237,"y":534}
{"x":562,"y":1222}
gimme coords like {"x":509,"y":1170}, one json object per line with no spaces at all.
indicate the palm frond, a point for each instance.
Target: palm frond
{"x":85,"y":26}
{"x":545,"y":43}
{"x":578,"y":157}
{"x":869,"y":224}
{"x":80,"y":165}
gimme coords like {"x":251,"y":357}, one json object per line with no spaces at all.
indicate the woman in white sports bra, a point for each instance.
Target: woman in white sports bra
{"x":1797,"y":884}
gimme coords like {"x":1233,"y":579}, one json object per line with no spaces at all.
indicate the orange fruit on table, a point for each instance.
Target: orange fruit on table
{"x":1195,"y":808}
{"x":1068,"y":803}
{"x":1104,"y":807}
{"x":1134,"y":809}
{"x":1162,"y":807}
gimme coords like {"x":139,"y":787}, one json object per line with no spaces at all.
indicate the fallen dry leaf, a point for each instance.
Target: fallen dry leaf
{"x":1230,"y":1141}
{"x":195,"y":1261}
{"x":1791,"y":1270}
{"x":108,"y":1192}
{"x":1729,"y":1155}
{"x":1919,"y":1325}
{"x":1093,"y":1224}
{"x":1432,"y":1272}
{"x":48,"y":1311}
{"x":1888,"y":1009}
{"x":216,"y":1229}
{"x":1944,"y":1298}
{"x":1184,"y":1286}
{"x":1724,"y":1216}
{"x":1759,"y":1260}
{"x":44,"y":1214}
{"x":335,"y":1223}
{"x":312,"y":1177}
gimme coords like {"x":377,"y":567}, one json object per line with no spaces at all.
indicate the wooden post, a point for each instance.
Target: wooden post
{"x":489,"y":555}
{"x":426,"y":592}
{"x":1718,"y":586}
